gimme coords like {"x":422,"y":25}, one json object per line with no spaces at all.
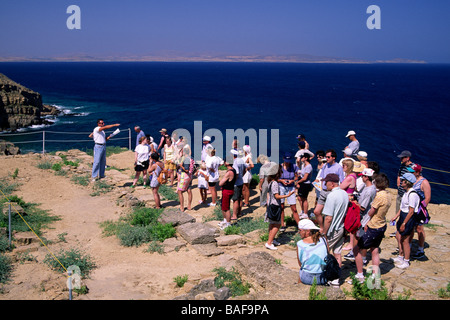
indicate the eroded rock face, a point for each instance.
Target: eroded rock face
{"x":21,"y":107}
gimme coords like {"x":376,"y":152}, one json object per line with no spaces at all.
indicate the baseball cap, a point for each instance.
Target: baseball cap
{"x":307,"y":224}
{"x":416,"y":167}
{"x":367,"y":172}
{"x":350,"y":133}
{"x":206,"y":138}
{"x":333,"y":177}
{"x":404,"y":153}
{"x":409,"y":177}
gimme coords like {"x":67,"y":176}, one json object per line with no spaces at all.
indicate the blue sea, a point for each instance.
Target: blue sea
{"x":392,"y":107}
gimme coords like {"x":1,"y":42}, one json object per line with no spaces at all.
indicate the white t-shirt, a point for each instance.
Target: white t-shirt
{"x":143,"y":151}
{"x":99,"y":136}
{"x":410,"y":199}
{"x":212,"y":164}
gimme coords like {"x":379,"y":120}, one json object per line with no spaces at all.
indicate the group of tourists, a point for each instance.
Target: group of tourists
{"x":353,"y":183}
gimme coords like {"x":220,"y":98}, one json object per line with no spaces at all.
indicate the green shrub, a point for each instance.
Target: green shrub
{"x":6,"y":268}
{"x":161,"y":232}
{"x":44,"y":165}
{"x":36,"y":218}
{"x":57,"y":166}
{"x":233,"y":229}
{"x":81,"y":180}
{"x":231,"y":279}
{"x":70,"y":258}
{"x":181,"y":280}
{"x":133,"y":235}
{"x":145,"y":216}
{"x":167,"y":193}
{"x":4,"y":244}
{"x":361,"y":291}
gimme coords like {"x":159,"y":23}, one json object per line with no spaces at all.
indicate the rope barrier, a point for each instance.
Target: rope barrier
{"x":436,"y":170}
{"x":44,"y":140}
{"x":33,"y":231}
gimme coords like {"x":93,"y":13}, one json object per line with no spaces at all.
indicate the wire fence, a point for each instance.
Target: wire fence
{"x":45,"y":139}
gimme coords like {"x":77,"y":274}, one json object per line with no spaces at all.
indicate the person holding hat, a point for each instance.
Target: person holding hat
{"x":405,"y":159}
{"x":354,"y":143}
{"x":407,"y":221}
{"x":334,"y":210}
{"x":311,"y":253}
{"x":423,"y":188}
{"x":287,"y":184}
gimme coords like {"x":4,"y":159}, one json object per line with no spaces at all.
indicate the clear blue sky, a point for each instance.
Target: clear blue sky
{"x":410,"y":29}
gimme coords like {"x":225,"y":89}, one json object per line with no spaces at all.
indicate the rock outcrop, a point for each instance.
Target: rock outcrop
{"x":21,"y":107}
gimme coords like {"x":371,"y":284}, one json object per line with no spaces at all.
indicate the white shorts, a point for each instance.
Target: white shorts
{"x":247,"y":177}
{"x":291,"y":200}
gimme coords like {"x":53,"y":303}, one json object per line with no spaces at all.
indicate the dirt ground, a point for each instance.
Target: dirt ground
{"x":122,"y":273}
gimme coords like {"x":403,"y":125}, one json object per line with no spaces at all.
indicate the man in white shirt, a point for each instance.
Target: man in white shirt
{"x":99,"y":165}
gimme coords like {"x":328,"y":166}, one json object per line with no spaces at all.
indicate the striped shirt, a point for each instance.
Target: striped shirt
{"x":403,"y":169}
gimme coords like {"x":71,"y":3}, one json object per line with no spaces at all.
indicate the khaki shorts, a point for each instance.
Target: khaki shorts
{"x":336,"y":241}
{"x":170,"y":165}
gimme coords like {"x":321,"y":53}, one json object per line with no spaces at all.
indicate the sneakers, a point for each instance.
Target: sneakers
{"x":359,"y":278}
{"x":303,"y":216}
{"x":398,"y":259}
{"x":403,"y":265}
{"x":225,"y":225}
{"x":350,"y":256}
{"x":211,"y":204}
{"x":334,"y":283}
{"x":270,"y":246}
{"x":275,"y":242}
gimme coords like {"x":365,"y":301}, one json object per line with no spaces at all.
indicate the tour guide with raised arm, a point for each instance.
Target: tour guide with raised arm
{"x":99,"y":165}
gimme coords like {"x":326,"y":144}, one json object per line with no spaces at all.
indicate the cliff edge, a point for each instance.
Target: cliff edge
{"x":21,"y":107}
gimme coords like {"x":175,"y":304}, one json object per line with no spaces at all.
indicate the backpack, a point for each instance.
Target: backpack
{"x":352,"y":221}
{"x":331,"y":270}
{"x":163,"y":176}
{"x":422,"y":215}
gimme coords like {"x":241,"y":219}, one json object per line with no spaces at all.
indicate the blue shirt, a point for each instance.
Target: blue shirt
{"x":334,"y":168}
{"x":139,"y":135}
{"x":312,"y":256}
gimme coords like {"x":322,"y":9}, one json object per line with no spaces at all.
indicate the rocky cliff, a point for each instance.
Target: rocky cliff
{"x":21,"y":107}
